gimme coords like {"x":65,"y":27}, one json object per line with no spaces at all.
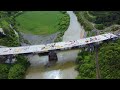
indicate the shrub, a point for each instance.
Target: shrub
{"x":99,"y":26}
{"x":22,"y":60}
{"x":4,"y":70}
{"x":63,"y":12}
{"x":16,"y":72}
{"x":79,"y":59}
{"x":62,"y":26}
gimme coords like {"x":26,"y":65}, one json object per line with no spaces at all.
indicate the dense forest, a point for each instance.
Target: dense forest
{"x":109,"y":62}
{"x":108,"y":52}
{"x":106,"y":18}
{"x":98,"y":19}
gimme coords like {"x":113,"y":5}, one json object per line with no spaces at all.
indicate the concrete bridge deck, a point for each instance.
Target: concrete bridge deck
{"x":55,"y":46}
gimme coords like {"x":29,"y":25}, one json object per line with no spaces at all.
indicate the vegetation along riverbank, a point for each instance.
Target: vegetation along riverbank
{"x":38,"y":23}
{"x":108,"y":53}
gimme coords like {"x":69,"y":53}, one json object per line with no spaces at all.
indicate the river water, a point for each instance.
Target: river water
{"x":65,"y":67}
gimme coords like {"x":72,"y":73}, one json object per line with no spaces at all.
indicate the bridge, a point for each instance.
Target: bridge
{"x":56,"y":46}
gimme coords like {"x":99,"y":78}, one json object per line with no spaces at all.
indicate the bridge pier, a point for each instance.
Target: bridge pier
{"x":91,"y":47}
{"x":52,"y":57}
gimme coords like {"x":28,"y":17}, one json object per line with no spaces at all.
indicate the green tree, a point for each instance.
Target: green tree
{"x":16,"y":72}
{"x":4,"y":70}
{"x":22,"y":60}
{"x":99,"y":26}
{"x":109,"y":62}
{"x":85,"y":65}
{"x":109,"y":57}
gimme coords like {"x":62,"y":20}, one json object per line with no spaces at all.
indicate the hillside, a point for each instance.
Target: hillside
{"x":17,"y":69}
{"x":108,"y":53}
{"x":13,"y":23}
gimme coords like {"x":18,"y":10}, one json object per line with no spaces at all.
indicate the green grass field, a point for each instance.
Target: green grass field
{"x":39,"y":22}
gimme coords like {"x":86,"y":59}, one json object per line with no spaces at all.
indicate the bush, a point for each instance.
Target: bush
{"x":88,"y":17}
{"x":114,"y":28}
{"x":85,"y":65}
{"x":99,"y":26}
{"x":79,"y":59}
{"x":4,"y":70}
{"x":16,"y":72}
{"x":19,"y":68}
{"x":63,"y":12}
{"x":22,"y":60}
{"x":62,"y":26}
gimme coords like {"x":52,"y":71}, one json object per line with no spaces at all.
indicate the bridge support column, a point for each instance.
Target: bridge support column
{"x":52,"y":57}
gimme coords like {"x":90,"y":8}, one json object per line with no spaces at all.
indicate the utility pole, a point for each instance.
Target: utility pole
{"x":96,"y":59}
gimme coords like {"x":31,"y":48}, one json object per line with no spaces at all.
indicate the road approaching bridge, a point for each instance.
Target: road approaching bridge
{"x":55,"y":46}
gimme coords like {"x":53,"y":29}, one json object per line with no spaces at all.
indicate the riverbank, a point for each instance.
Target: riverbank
{"x":40,"y":39}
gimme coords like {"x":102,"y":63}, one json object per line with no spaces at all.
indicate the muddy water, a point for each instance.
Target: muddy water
{"x":65,"y":67}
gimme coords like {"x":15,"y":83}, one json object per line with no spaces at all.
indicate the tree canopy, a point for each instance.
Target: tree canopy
{"x":107,"y":18}
{"x":109,"y":62}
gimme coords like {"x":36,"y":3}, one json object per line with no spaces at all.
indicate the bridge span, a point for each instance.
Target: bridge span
{"x":56,"y":46}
